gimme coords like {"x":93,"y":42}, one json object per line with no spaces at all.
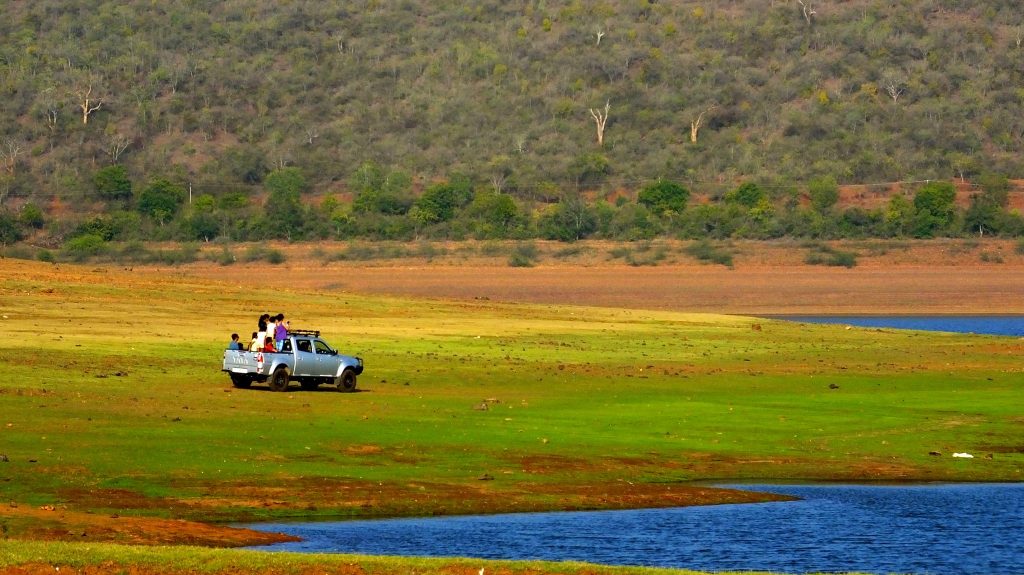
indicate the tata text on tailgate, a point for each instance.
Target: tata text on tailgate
{"x":304,"y":358}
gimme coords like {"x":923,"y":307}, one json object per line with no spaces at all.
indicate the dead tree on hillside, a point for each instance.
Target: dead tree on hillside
{"x":808,"y":10}
{"x":116,"y":145}
{"x":9,"y":152}
{"x":87,"y":103}
{"x":695,"y":125}
{"x":601,"y":119}
{"x":892,"y":83}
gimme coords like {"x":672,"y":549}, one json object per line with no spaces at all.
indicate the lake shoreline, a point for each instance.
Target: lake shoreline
{"x":829,"y":528}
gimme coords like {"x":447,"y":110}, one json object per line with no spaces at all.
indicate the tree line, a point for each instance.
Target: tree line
{"x":385,"y":205}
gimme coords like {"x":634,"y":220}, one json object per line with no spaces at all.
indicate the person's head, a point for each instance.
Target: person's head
{"x":265,"y":317}
{"x":280,"y":317}
{"x":269,"y":340}
{"x":234,"y":337}
{"x":255,"y":335}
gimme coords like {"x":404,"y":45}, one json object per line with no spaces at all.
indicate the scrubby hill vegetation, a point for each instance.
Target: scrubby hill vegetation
{"x":200,"y":119}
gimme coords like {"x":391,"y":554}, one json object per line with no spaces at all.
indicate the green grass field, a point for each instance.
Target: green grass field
{"x":113,"y":402}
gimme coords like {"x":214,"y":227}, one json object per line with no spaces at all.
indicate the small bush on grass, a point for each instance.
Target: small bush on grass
{"x":275,"y":257}
{"x":492,"y":249}
{"x":365,"y":252}
{"x":524,"y":255}
{"x":620,"y":252}
{"x":19,"y":252}
{"x":185,"y":254}
{"x":651,"y":258}
{"x":429,"y":251}
{"x":882,"y":247}
{"x":707,"y":252}
{"x":991,"y":258}
{"x":84,"y":247}
{"x":262,"y":253}
{"x":226,"y":257}
{"x":572,"y":251}
{"x":823,"y":255}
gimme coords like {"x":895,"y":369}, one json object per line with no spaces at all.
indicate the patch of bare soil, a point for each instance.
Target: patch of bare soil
{"x":55,"y":523}
{"x":919,"y":277}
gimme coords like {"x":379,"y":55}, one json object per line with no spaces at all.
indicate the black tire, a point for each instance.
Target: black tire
{"x":309,"y":385}
{"x":241,"y":381}
{"x":279,"y":379}
{"x":346,"y":381}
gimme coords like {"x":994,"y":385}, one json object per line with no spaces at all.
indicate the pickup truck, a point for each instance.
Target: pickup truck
{"x":304,"y":358}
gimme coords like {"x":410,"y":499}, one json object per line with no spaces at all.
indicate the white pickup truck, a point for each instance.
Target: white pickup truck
{"x":304,"y":358}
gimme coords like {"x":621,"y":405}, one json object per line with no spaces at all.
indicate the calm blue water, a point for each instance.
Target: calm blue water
{"x":935,"y":529}
{"x":991,"y":325}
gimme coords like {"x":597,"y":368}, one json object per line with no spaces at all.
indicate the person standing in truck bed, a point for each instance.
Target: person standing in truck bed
{"x":280,"y":331}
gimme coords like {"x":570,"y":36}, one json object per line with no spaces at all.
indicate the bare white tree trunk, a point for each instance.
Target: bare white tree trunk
{"x":87,"y":103}
{"x":808,"y":9}
{"x":116,"y":145}
{"x":601,"y":119}
{"x":696,"y":124}
{"x":520,"y":143}
{"x":9,"y":152}
{"x":893,"y":85}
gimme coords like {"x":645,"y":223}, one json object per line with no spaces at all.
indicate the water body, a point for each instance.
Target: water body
{"x":942,"y":529}
{"x":989,"y":325}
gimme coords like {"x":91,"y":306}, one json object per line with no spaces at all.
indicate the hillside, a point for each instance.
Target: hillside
{"x":216,"y":95}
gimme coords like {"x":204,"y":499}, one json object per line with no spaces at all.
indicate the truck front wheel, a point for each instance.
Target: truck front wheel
{"x":346,"y":381}
{"x":279,"y":380}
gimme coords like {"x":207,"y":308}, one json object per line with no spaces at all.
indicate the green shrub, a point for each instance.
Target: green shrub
{"x":259,"y":253}
{"x":226,"y":257}
{"x":134,"y":252}
{"x":705,"y":251}
{"x":524,"y":255}
{"x":185,"y":254}
{"x":18,"y":252}
{"x":647,"y":257}
{"x":991,"y":258}
{"x":822,"y":255}
{"x":492,"y":249}
{"x":620,"y":252}
{"x":45,"y":256}
{"x":572,"y":251}
{"x":429,"y":251}
{"x":84,"y":247}
{"x":275,"y":257}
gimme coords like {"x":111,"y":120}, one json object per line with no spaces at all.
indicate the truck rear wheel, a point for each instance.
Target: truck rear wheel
{"x":346,"y":381}
{"x":240,"y":381}
{"x":279,"y":380}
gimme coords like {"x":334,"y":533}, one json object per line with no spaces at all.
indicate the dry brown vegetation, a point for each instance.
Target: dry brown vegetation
{"x":916,"y":277}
